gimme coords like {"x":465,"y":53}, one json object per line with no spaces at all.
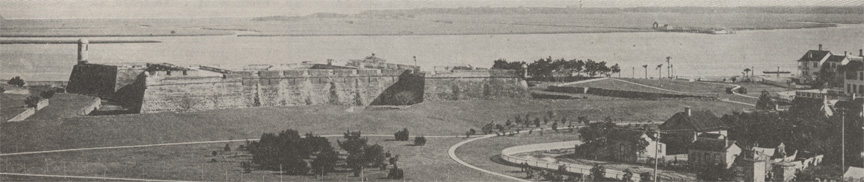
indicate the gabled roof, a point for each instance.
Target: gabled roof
{"x":712,"y":145}
{"x":697,"y":121}
{"x":814,"y":55}
{"x":835,"y":58}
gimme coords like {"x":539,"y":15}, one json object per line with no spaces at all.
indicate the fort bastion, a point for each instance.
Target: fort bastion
{"x":163,"y":87}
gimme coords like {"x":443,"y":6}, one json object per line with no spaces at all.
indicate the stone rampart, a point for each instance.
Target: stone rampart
{"x":474,"y":84}
{"x":167,"y":93}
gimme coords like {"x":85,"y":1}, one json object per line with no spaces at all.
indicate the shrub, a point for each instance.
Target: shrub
{"x":2,"y":89}
{"x":396,"y":173}
{"x":32,"y":100}
{"x":227,"y":148}
{"x":214,"y":153}
{"x":598,"y":172}
{"x":419,"y":141}
{"x":47,"y":94}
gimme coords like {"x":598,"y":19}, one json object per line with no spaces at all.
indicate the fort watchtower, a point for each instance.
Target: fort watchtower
{"x":83,"y":46}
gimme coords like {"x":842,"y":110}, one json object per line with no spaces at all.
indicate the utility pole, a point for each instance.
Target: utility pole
{"x":634,"y":72}
{"x":843,"y":141}
{"x":415,"y":60}
{"x":668,"y":67}
{"x":656,"y":153}
{"x":660,"y":71}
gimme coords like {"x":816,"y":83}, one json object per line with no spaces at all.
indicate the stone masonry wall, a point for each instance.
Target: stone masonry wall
{"x":474,"y":84}
{"x":167,"y":93}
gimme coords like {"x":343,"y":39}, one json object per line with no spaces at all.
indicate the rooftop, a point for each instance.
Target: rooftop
{"x":694,"y":121}
{"x":814,"y":55}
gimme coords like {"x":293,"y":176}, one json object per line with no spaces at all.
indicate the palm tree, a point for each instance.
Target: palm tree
{"x":646,"y":70}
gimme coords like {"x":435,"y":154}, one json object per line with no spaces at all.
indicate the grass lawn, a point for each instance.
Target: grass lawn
{"x":11,"y":105}
{"x":432,"y":118}
{"x":486,"y":153}
{"x":421,"y":163}
{"x":683,"y":86}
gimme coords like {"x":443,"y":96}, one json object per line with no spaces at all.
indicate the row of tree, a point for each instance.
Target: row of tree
{"x":548,"y":68}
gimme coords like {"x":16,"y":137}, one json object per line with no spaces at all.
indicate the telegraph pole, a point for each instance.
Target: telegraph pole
{"x":668,"y":67}
{"x":656,"y":152}
{"x":634,"y":72}
{"x":843,"y":141}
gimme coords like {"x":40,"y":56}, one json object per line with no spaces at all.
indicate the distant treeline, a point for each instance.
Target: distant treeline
{"x":551,"y":69}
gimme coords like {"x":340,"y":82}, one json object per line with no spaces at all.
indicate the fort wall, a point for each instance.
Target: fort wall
{"x":159,"y":91}
{"x":474,"y":84}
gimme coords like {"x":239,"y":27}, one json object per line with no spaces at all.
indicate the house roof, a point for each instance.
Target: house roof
{"x":814,"y":55}
{"x":712,"y":145}
{"x":835,"y":58}
{"x":696,"y":121}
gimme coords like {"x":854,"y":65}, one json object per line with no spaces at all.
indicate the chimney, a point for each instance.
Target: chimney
{"x":845,"y":53}
{"x":82,"y":51}
{"x":687,"y":111}
{"x":820,"y":47}
{"x":861,"y":52}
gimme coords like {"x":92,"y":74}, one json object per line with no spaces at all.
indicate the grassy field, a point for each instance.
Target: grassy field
{"x":421,"y":163}
{"x":433,"y":118}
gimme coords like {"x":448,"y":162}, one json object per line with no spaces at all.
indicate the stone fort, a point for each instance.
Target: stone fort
{"x":163,"y":87}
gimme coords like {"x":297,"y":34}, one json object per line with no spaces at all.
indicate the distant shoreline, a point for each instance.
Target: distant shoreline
{"x":127,"y":35}
{"x":75,"y":41}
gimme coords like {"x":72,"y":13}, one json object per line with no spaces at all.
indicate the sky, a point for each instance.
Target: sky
{"x":53,"y":9}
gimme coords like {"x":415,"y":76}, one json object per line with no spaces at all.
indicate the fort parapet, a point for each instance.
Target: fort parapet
{"x":169,"y":88}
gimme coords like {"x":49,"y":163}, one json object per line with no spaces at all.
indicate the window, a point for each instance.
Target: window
{"x":860,"y":88}
{"x":815,"y":64}
{"x":860,"y":75}
{"x":848,"y":88}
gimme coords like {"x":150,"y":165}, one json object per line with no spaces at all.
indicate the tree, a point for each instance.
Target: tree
{"x":598,"y":172}
{"x":325,"y":161}
{"x":419,"y":141}
{"x":17,"y":81}
{"x":227,"y":148}
{"x":616,"y":69}
{"x":32,"y":101}
{"x":401,"y":135}
{"x":765,"y":102}
{"x":286,"y":151}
